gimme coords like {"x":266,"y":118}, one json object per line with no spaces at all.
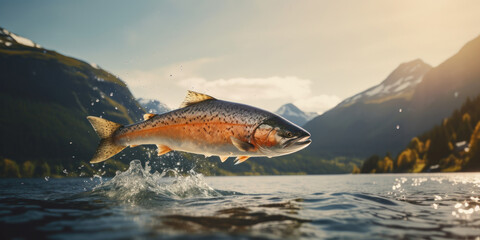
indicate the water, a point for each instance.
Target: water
{"x":143,"y":205}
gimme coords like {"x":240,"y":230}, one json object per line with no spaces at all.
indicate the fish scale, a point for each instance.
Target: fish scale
{"x":203,"y":125}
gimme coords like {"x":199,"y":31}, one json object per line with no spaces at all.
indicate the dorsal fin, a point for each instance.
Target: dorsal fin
{"x":147,"y":116}
{"x":194,"y":97}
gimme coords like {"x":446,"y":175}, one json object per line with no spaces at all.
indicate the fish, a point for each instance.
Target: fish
{"x":207,"y":126}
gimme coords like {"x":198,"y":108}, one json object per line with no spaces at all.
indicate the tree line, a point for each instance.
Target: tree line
{"x":453,"y":145}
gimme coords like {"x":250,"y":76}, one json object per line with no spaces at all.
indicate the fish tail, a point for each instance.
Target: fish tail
{"x":107,"y":147}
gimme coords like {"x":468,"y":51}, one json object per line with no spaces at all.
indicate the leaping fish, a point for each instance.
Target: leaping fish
{"x":205,"y":125}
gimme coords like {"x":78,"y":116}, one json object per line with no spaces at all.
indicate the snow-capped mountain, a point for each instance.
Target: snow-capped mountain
{"x":153,"y":106}
{"x":53,"y":93}
{"x":9,"y":39}
{"x":294,"y":114}
{"x":412,"y":99}
{"x":400,"y":83}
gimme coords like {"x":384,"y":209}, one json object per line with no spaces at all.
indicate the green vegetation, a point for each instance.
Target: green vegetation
{"x":287,"y":165}
{"x":450,"y":147}
{"x":45,"y":98}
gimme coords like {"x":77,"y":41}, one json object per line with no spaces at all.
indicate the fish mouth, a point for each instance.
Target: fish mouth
{"x":298,"y":142}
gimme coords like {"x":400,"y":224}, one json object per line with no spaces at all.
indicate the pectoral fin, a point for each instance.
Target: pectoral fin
{"x":241,"y":159}
{"x":241,"y":145}
{"x":147,"y":116}
{"x":162,"y":149}
{"x":223,"y":158}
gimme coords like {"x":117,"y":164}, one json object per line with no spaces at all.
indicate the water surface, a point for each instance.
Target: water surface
{"x":143,"y":205}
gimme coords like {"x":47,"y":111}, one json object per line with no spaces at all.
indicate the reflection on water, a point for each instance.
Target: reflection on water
{"x":276,"y":219}
{"x":143,"y":204}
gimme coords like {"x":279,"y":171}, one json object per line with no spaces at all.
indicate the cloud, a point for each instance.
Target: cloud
{"x":268,"y":92}
{"x":144,"y":78}
{"x":318,"y":103}
{"x":270,"y":88}
{"x":169,"y":84}
{"x":161,"y":83}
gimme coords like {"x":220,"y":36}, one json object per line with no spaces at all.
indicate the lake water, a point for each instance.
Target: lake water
{"x":137,"y":204}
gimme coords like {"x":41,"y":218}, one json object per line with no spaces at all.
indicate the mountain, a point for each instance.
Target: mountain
{"x":153,"y":106}
{"x":294,"y":114}
{"x":384,"y":118}
{"x":366,"y":122}
{"x":451,"y":145}
{"x":400,"y":84}
{"x":45,"y":98}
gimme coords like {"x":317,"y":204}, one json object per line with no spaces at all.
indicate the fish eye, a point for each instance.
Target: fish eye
{"x":288,"y":134}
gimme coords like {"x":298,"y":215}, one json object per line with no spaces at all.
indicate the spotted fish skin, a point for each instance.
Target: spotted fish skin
{"x":203,"y":128}
{"x":204,"y":125}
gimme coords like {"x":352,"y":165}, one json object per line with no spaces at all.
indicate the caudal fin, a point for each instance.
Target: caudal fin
{"x":107,"y":147}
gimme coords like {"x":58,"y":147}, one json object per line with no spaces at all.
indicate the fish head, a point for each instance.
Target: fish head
{"x":277,"y":136}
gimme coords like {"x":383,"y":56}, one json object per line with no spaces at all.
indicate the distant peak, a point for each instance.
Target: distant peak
{"x":402,"y":80}
{"x":414,"y":63}
{"x":290,"y":106}
{"x":415,"y":68}
{"x":153,"y":106}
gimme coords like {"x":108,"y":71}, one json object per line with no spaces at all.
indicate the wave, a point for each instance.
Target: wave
{"x":137,"y":185}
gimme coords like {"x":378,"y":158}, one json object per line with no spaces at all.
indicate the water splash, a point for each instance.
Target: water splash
{"x":137,"y":185}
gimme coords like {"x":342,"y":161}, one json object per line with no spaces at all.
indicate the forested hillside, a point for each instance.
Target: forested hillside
{"x":452,"y":145}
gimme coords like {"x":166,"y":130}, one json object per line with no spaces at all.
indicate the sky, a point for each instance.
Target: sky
{"x":262,"y":53}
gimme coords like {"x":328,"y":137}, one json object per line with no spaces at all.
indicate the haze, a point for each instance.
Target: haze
{"x":262,"y":53}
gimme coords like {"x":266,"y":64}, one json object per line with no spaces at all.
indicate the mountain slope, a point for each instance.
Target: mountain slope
{"x":400,"y":84}
{"x":45,"y":98}
{"x":376,"y":120}
{"x":367,"y":122}
{"x":294,"y":114}
{"x":451,"y":145}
